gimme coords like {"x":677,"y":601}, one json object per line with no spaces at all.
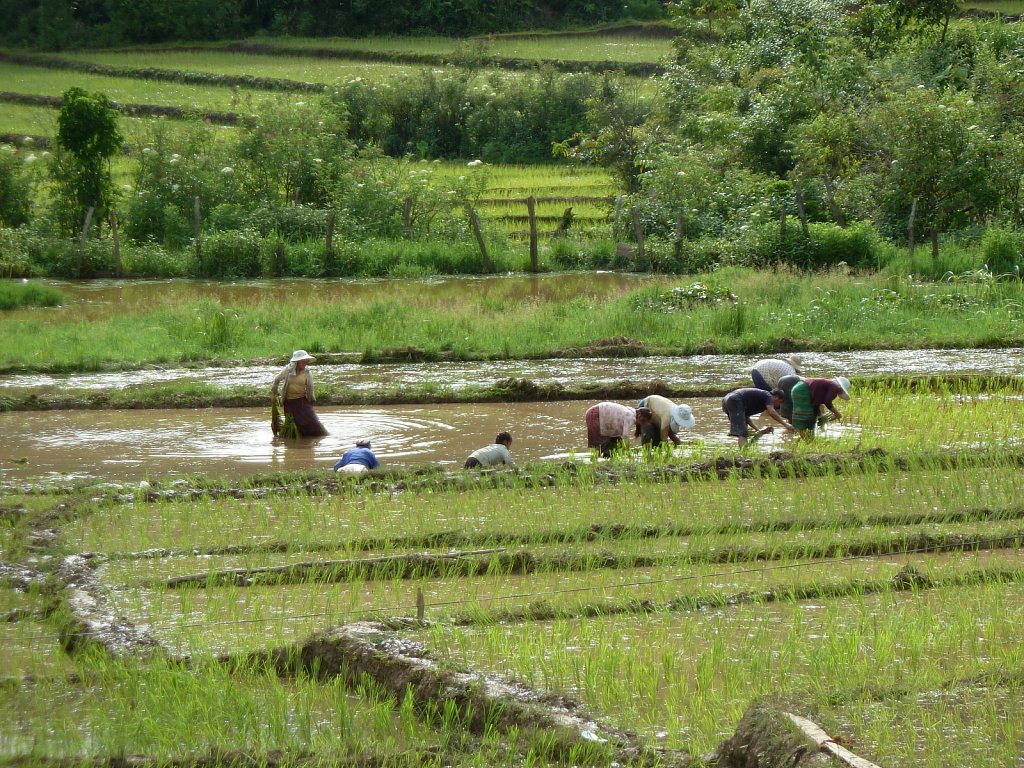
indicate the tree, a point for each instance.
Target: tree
{"x":827,"y":148}
{"x":617,"y":137}
{"x":927,"y":13}
{"x":87,"y":137}
{"x":936,"y":159}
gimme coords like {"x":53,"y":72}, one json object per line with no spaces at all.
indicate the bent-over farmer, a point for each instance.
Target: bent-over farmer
{"x":741,"y":404}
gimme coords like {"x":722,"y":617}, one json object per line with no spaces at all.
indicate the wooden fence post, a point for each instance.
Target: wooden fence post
{"x":117,"y":244}
{"x":677,"y":247}
{"x":197,"y":226}
{"x":82,"y":240}
{"x":474,"y":221}
{"x":801,"y":210}
{"x":407,"y":214}
{"x":638,"y":230}
{"x":329,"y":238}
{"x":531,"y":208}
{"x":910,"y":225}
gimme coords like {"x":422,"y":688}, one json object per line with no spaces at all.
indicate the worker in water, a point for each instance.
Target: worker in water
{"x":741,"y":405}
{"x":358,"y":459}
{"x":295,"y":383}
{"x":491,"y":455}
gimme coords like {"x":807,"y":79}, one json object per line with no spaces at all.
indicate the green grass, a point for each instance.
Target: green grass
{"x":303,"y":69}
{"x":551,"y":47}
{"x":22,"y":293}
{"x":821,"y":311}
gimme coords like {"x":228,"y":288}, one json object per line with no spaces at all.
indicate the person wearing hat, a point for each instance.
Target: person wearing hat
{"x":667,"y":417}
{"x":490,"y":455}
{"x":741,"y":404}
{"x":612,"y":425}
{"x":767,"y":373}
{"x":295,"y":383}
{"x":812,"y":396}
{"x":358,"y":459}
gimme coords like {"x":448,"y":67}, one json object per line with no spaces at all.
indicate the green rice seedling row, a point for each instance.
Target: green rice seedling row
{"x":686,"y":675}
{"x":544,"y":47}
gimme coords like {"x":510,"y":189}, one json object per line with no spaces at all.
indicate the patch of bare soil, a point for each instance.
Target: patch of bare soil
{"x":615,"y":346}
{"x":90,"y":619}
{"x":767,"y":738}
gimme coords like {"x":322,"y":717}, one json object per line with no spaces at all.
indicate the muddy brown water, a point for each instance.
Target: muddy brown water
{"x":693,"y":370}
{"x":233,"y":442}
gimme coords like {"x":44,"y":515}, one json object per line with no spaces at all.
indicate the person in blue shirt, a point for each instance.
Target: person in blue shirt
{"x":358,"y":459}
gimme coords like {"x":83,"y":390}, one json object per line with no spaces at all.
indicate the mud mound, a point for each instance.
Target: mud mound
{"x":767,"y":738}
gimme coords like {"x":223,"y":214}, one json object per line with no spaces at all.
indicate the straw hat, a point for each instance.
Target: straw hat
{"x":682,"y":417}
{"x":844,"y":384}
{"x":794,"y":360}
{"x":299,"y":355}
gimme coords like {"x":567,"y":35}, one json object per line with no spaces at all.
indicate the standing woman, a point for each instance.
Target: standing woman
{"x":297,"y":394}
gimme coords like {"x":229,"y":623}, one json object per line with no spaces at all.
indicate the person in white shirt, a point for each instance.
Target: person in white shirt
{"x":668,"y":417}
{"x":491,"y":455}
{"x":766,"y":373}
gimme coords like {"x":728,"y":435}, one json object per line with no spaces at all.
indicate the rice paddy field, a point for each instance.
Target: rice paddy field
{"x":870,"y":582}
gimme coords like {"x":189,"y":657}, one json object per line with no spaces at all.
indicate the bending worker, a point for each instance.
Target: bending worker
{"x":495,"y":453}
{"x":358,"y":459}
{"x":812,"y":397}
{"x":766,"y":373}
{"x":611,"y":426}
{"x":741,"y":404}
{"x":668,"y":417}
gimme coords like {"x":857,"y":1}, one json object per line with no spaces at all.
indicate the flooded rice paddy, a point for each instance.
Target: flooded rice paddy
{"x":233,"y":442}
{"x":683,"y":371}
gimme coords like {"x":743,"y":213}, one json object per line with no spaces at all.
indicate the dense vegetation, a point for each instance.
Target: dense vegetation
{"x":813,"y":134}
{"x":61,"y":23}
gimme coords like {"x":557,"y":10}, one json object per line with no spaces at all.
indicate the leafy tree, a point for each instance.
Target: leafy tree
{"x":924,"y":14}
{"x":15,"y":188}
{"x":936,"y":159}
{"x":828,"y":148}
{"x":617,"y":137}
{"x":87,"y":137}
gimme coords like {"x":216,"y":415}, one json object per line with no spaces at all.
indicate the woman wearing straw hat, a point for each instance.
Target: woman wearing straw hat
{"x":296,"y":384}
{"x":767,"y":373}
{"x":668,"y":417}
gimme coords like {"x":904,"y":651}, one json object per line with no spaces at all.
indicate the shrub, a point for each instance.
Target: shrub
{"x":16,"y":249}
{"x":826,"y":245}
{"x":235,"y":253}
{"x":152,"y":260}
{"x":1002,"y":250}
{"x":62,"y":258}
{"x":18,"y":293}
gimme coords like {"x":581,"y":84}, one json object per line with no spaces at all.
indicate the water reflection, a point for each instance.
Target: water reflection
{"x":694,"y":370}
{"x":129,"y":445}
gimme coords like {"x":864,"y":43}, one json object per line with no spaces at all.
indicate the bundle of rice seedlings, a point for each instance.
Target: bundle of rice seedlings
{"x":275,"y":417}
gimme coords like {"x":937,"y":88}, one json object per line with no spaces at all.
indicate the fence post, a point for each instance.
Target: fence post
{"x":910,"y":225}
{"x":531,"y":209}
{"x":115,"y":238}
{"x":82,"y":239}
{"x":638,"y":230}
{"x":801,"y":210}
{"x":197,"y":226}
{"x":474,"y":221}
{"x":677,"y":247}
{"x":407,"y":214}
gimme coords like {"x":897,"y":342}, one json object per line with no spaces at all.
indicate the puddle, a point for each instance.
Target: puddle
{"x":234,"y":442}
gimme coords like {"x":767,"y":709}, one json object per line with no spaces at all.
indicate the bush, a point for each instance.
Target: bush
{"x":825,"y":246}
{"x":62,"y":258}
{"x":16,"y":249}
{"x":18,"y":293}
{"x":152,"y":260}
{"x":1002,"y":250}
{"x":231,"y":254}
